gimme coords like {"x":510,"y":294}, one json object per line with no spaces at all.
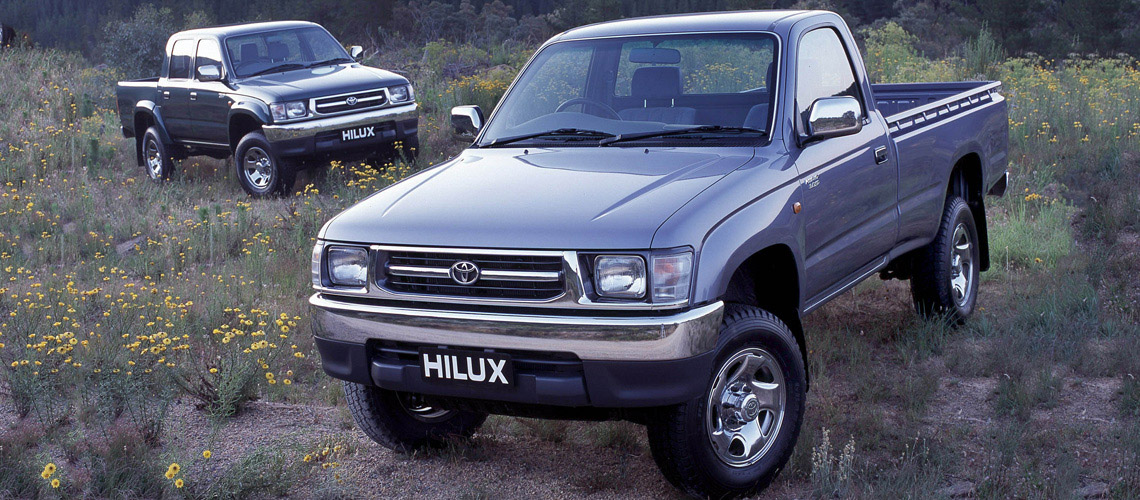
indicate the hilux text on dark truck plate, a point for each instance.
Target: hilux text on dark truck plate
{"x":638,"y":228}
{"x":273,"y":95}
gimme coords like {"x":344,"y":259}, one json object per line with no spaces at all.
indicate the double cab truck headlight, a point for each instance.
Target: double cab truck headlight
{"x":401,"y":93}
{"x":620,"y":276}
{"x":348,"y":266}
{"x":672,"y":275}
{"x":288,"y":110}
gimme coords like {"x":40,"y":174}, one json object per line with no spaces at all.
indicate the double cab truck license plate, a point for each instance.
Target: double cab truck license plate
{"x":485,"y":369}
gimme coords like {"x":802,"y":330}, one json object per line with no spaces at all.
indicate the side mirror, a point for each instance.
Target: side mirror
{"x":356,"y":52}
{"x":834,"y":117}
{"x":209,"y":73}
{"x":466,"y":122}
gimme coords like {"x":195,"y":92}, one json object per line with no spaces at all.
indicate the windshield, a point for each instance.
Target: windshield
{"x":283,"y":49}
{"x":629,"y":89}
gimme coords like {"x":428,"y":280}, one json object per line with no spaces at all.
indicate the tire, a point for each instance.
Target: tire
{"x":396,"y":422}
{"x":156,"y":159}
{"x":681,"y":437}
{"x":259,"y":170}
{"x":946,"y":272}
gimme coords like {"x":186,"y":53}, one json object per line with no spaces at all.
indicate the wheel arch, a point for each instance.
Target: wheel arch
{"x":147,"y":115}
{"x":966,"y":180}
{"x":241,"y":123}
{"x":770,"y":279}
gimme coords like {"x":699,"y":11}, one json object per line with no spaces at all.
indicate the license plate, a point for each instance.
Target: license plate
{"x":358,"y":133}
{"x":485,"y":369}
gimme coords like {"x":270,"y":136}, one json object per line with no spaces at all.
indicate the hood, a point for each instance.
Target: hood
{"x":317,"y":82}
{"x":565,"y":198}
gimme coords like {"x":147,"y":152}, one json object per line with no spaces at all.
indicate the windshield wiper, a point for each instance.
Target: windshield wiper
{"x":562,"y":132}
{"x":702,"y":129}
{"x":277,"y":69}
{"x":326,"y":62}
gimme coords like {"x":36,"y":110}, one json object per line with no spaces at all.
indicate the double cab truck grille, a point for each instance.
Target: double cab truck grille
{"x":523,"y":277}
{"x":350,"y":102}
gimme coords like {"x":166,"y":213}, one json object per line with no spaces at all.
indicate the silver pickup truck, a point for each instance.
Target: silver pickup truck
{"x":638,"y":229}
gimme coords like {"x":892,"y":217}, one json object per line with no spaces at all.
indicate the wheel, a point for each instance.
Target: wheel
{"x":400,"y":422}
{"x":734,"y":439}
{"x":260,"y":172}
{"x":946,"y":272}
{"x":156,"y":161}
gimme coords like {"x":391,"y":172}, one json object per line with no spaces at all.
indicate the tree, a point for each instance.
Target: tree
{"x":137,"y":45}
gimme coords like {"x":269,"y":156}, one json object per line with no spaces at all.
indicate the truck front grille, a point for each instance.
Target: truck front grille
{"x":350,"y":102}
{"x":527,"y":277}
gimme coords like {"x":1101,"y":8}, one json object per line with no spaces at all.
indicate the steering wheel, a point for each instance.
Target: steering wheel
{"x":611,"y":114}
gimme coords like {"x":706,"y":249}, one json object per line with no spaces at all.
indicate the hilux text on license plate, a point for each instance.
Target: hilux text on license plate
{"x":353,"y":134}
{"x":466,"y":366}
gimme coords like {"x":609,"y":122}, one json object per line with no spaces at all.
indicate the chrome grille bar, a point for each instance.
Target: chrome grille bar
{"x":487,"y":274}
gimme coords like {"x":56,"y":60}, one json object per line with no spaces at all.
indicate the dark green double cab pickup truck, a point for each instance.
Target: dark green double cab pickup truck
{"x":273,"y":95}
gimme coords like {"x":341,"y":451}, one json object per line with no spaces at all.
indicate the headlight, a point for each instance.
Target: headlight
{"x":620,"y":276}
{"x":402,"y":93}
{"x":287,"y":110}
{"x":672,"y":275}
{"x":348,"y":266}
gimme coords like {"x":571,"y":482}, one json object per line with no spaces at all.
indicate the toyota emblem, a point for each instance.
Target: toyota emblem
{"x":464,"y":272}
{"x":351,"y":101}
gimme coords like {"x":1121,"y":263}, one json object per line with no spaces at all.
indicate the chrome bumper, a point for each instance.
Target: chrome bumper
{"x":309,"y":128}
{"x":645,"y":338}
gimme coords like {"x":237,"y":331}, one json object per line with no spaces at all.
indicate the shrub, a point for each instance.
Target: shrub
{"x":137,"y":45}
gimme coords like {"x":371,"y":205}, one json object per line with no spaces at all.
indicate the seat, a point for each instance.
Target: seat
{"x":249,"y":53}
{"x":278,"y":51}
{"x":758,"y":115}
{"x":660,"y":84}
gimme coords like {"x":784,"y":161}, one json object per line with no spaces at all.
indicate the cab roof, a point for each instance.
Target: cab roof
{"x":243,"y":29}
{"x":749,"y":20}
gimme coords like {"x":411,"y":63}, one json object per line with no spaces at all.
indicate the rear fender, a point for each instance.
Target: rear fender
{"x":154,"y":114}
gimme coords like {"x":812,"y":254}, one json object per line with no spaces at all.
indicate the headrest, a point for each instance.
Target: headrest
{"x":249,"y":52}
{"x":277,"y":51}
{"x":770,"y":80}
{"x":653,"y":82}
{"x":757,"y":117}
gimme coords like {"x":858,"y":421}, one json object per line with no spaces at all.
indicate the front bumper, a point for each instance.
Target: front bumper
{"x":617,"y":361}
{"x":323,"y":136}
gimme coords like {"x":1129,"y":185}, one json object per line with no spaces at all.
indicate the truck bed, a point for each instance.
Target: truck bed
{"x":127,"y":95}
{"x":931,"y":124}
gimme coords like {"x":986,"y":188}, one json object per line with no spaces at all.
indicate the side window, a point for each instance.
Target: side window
{"x":180,"y":57}
{"x":822,"y":70}
{"x":209,"y":54}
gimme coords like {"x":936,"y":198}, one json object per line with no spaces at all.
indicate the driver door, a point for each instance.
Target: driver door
{"x":850,"y":186}
{"x":209,"y":102}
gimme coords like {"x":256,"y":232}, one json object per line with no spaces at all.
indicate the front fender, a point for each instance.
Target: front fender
{"x":251,"y":107}
{"x":765,"y":222}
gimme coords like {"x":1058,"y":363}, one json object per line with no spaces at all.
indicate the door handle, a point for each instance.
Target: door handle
{"x":193,"y":96}
{"x":880,"y":155}
{"x":166,"y":94}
